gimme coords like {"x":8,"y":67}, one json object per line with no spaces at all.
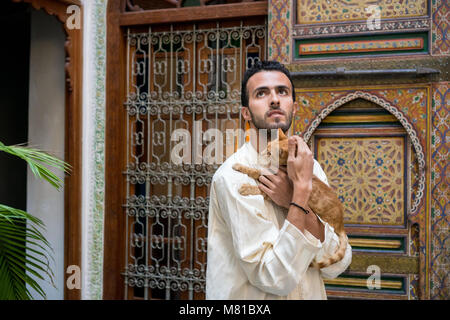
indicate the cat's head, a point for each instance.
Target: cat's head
{"x":276,"y":152}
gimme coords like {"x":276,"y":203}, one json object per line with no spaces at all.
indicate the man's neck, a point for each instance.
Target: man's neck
{"x":258,"y":141}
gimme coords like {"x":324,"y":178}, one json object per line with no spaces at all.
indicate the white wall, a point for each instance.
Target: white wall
{"x":46,"y":131}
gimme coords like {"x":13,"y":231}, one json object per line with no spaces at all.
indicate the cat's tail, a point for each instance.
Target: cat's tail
{"x":337,"y":256}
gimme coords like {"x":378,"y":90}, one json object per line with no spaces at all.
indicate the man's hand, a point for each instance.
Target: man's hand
{"x":277,"y":186}
{"x":300,"y":165}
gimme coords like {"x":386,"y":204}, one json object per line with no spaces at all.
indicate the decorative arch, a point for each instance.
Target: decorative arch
{"x":403,"y":120}
{"x":73,"y":136}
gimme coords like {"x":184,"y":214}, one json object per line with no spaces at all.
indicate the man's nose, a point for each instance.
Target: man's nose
{"x":274,"y":99}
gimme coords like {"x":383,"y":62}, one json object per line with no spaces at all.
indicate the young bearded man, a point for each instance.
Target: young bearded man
{"x":261,"y":249}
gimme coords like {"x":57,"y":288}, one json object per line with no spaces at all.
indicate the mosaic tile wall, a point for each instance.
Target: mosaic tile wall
{"x":424,"y":16}
{"x":283,"y":27}
{"x":440,"y":199}
{"x":320,"y":11}
{"x":439,"y":37}
{"x":279,"y":28}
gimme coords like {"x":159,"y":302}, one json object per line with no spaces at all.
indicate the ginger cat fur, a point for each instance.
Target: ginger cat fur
{"x":323,"y":200}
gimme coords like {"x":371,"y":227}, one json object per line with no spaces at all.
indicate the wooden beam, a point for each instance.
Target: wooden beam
{"x":115,"y":153}
{"x":189,"y":14}
{"x":73,"y":182}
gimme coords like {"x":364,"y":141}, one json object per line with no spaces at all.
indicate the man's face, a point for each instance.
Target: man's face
{"x":270,"y":103}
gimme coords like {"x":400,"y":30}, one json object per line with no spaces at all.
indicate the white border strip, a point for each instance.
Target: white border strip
{"x":93,"y":173}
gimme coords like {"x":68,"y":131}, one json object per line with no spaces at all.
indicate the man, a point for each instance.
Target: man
{"x":262,"y":249}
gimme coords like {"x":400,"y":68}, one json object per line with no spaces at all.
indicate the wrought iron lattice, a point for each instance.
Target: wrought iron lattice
{"x":178,"y":79}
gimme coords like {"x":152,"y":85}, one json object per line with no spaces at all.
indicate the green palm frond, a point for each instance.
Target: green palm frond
{"x":38,"y":162}
{"x":24,"y":251}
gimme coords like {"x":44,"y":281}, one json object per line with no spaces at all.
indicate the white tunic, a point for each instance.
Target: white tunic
{"x":253,"y":251}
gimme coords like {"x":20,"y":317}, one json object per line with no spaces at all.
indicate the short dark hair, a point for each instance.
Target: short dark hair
{"x":258,"y":67}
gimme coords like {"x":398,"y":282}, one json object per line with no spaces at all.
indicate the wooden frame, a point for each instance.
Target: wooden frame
{"x":115,"y":153}
{"x":189,"y":14}
{"x":73,"y":133}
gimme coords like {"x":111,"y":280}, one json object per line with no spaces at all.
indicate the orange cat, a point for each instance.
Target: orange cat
{"x":323,"y":200}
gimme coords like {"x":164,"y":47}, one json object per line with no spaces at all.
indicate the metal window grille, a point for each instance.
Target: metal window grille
{"x":189,"y":79}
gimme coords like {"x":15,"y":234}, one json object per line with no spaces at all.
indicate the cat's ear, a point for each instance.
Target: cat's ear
{"x":281,"y":135}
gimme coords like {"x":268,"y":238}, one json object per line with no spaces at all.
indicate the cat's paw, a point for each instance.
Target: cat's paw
{"x":249,"y":190}
{"x":237,"y":167}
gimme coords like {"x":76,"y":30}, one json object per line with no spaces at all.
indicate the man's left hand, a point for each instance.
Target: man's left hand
{"x":277,"y":186}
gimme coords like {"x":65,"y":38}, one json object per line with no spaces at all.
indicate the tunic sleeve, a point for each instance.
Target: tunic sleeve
{"x":329,"y":246}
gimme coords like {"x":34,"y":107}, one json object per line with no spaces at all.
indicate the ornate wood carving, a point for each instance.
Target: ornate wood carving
{"x":133,"y":7}
{"x":59,"y":10}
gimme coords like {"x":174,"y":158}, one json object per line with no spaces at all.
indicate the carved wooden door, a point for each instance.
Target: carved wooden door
{"x":183,"y":81}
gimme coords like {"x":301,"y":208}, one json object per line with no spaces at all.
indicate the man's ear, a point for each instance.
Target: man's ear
{"x":295,"y":108}
{"x":246,"y":113}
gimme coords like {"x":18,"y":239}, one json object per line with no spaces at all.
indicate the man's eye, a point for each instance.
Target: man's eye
{"x":283,"y":91}
{"x":260,"y":94}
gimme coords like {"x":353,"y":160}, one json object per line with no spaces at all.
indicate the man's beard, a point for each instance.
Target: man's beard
{"x":262,"y":124}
